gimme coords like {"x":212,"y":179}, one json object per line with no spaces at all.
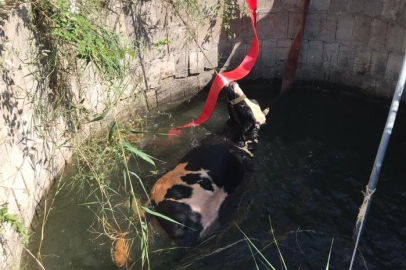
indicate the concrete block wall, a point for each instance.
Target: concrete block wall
{"x":359,"y":43}
{"x":178,"y":69}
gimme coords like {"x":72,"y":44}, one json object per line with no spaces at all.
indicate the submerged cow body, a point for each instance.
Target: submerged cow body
{"x":193,"y":192}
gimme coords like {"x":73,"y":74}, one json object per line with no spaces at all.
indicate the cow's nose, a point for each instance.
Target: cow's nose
{"x":232,"y":85}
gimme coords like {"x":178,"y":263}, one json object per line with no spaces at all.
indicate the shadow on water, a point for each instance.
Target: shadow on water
{"x":313,"y":160}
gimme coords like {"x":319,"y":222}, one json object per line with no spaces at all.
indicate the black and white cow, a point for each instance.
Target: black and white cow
{"x":193,"y":192}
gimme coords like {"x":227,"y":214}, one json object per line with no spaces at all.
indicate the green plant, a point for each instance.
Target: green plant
{"x":15,"y":223}
{"x":96,"y":161}
{"x":189,"y":7}
{"x":230,"y":12}
{"x":161,"y":43}
{"x":75,"y":28}
{"x":70,"y":38}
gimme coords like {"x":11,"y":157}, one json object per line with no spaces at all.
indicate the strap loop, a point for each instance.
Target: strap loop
{"x":238,"y":100}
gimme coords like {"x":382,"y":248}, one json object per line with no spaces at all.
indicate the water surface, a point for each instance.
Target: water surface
{"x":314,"y":157}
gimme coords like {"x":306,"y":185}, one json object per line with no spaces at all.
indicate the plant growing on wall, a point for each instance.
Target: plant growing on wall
{"x":88,"y":40}
{"x":230,"y":13}
{"x":72,"y":36}
{"x":75,"y":31}
{"x":5,"y":217}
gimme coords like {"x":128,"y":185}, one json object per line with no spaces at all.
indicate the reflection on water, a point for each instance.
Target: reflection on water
{"x":314,"y":158}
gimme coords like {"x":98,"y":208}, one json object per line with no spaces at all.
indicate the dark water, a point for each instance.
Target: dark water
{"x":314,"y":158}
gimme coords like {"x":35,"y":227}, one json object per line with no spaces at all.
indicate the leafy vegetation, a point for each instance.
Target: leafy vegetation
{"x":75,"y":32}
{"x":230,"y":13}
{"x":15,"y":223}
{"x":97,"y":161}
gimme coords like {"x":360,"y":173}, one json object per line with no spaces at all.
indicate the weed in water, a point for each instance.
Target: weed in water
{"x":97,"y":161}
{"x":268,"y":264}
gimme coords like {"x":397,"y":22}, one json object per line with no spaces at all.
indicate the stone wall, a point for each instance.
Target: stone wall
{"x":358,"y":43}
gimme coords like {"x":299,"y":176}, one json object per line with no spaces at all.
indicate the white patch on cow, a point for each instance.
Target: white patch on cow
{"x":256,"y":110}
{"x":205,"y":174}
{"x":206,"y":203}
{"x":238,"y":90}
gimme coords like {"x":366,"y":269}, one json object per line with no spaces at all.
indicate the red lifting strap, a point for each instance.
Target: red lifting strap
{"x":294,"y":53}
{"x":224,"y":78}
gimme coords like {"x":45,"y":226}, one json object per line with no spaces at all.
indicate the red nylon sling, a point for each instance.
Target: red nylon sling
{"x":294,"y":53}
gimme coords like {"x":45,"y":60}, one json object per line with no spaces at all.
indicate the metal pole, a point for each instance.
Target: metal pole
{"x":376,"y":170}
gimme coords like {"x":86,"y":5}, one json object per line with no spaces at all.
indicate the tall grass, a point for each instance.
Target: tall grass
{"x":109,"y":155}
{"x":251,"y":246}
{"x":73,"y":35}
